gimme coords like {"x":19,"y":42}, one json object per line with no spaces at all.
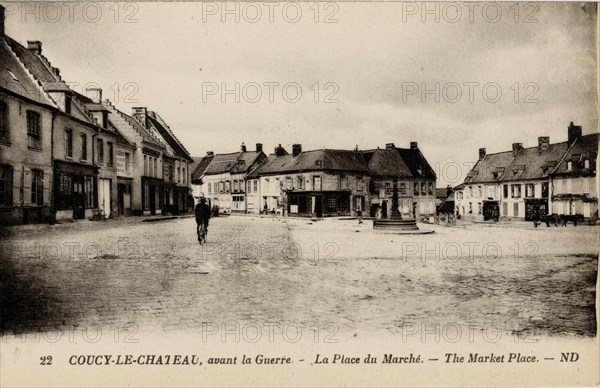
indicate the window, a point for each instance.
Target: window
{"x":360,"y":184}
{"x":470,"y":207}
{"x":479,"y":207}
{"x":228,"y":186}
{"x":256,"y":186}
{"x":65,"y":188}
{"x":6,"y":185}
{"x":100,"y":150}
{"x":544,"y":189}
{"x":529,"y":190}
{"x":127,"y":162}
{"x":402,"y":189}
{"x":68,"y":143}
{"x":569,"y":165}
{"x":111,"y":159}
{"x":89,"y":191}
{"x":4,"y":134}
{"x":586,"y":186}
{"x":480,"y":190}
{"x":505,"y":190}
{"x":155,"y":170}
{"x":289,"y":183}
{"x":300,"y":182}
{"x":209,"y":188}
{"x":515,"y":191}
{"x":430,"y":188}
{"x":343,"y":182}
{"x":37,"y":187}
{"x":316,"y":183}
{"x":505,"y":209}
{"x":586,"y":163}
{"x":33,"y":130}
{"x":423,"y":188}
{"x":516,"y":209}
{"x":83,"y":146}
{"x":388,"y":188}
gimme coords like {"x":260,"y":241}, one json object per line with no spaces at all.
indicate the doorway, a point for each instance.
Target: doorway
{"x":78,"y":198}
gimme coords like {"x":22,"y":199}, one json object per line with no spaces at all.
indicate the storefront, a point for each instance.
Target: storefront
{"x":152,"y":195}
{"x":491,"y":210}
{"x":75,"y":190}
{"x":535,"y":208}
{"x":319,"y":203}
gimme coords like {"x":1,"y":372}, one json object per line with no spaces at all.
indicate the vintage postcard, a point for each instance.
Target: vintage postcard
{"x":309,"y":194}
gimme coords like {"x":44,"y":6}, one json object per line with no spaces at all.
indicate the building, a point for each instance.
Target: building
{"x":415,"y":181}
{"x":176,"y":162}
{"x":198,"y":168}
{"x":316,"y":183}
{"x":573,"y":181}
{"x":223,"y":178}
{"x":526,"y":183}
{"x":27,"y":116}
{"x":144,"y":180}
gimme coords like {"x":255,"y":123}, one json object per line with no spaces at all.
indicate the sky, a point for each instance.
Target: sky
{"x":454,"y":77}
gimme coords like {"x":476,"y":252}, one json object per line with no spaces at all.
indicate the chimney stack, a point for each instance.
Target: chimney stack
{"x":482,"y":153}
{"x":414,"y":145}
{"x":280,"y":151}
{"x":35,"y":46}
{"x":243,"y":147}
{"x":95,"y":94}
{"x":210,"y":153}
{"x":1,"y":21}
{"x":389,"y":146}
{"x":140,"y":113}
{"x":516,"y":147}
{"x":296,"y":149}
{"x":543,"y":144}
{"x":574,"y":132}
{"x":259,"y":147}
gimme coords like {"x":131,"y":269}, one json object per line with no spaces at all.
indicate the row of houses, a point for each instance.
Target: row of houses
{"x":317,"y":183}
{"x":66,"y":155}
{"x":525,"y":183}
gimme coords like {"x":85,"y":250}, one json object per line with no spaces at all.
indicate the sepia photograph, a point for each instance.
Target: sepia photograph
{"x":295,"y":194}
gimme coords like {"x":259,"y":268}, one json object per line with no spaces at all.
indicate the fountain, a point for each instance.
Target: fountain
{"x":395,"y":222}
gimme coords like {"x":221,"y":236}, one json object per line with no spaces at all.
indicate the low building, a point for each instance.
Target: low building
{"x":223,"y":179}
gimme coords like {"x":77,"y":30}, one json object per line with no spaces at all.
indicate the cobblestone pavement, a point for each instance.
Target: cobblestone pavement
{"x":332,"y":272}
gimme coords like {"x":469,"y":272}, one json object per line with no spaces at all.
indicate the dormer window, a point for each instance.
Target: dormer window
{"x":586,"y":164}
{"x":569,"y":165}
{"x":318,"y":163}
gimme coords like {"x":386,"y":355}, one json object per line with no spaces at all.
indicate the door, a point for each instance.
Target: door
{"x":318,"y":206}
{"x":104,"y":196}
{"x":384,"y":209}
{"x":78,"y":198}
{"x":152,"y":192}
{"x":121,"y":198}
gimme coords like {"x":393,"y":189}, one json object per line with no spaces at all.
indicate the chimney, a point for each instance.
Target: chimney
{"x":140,"y":113}
{"x":516,"y":147}
{"x":543,"y":144}
{"x":390,"y":146}
{"x":210,"y":153}
{"x":481,"y":153}
{"x":35,"y":46}
{"x":95,"y":94}
{"x":574,"y":132}
{"x":258,"y":147}
{"x":243,"y":147}
{"x":280,"y":151}
{"x":296,"y":149}
{"x":414,"y":145}
{"x":1,"y":21}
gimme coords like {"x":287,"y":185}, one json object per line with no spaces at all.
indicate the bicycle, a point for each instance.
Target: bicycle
{"x":201,"y":231}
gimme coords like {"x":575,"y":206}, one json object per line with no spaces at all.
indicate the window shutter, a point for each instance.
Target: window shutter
{"x":9,"y":186}
{"x":26,"y":185}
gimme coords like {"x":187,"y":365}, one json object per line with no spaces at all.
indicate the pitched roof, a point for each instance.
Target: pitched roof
{"x":316,"y":160}
{"x":172,"y":140}
{"x":222,"y":163}
{"x":584,"y":147}
{"x":530,"y":163}
{"x":200,"y":165}
{"x":491,"y":168}
{"x":16,"y":78}
{"x":387,"y":163}
{"x":416,"y":163}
